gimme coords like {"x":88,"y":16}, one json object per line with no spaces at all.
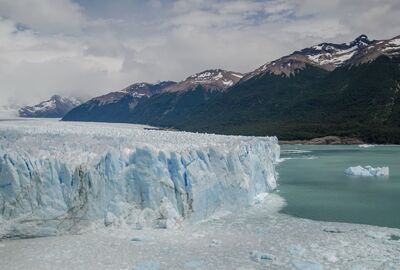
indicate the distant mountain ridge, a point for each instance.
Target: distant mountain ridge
{"x":210,"y":80}
{"x":349,"y":89}
{"x":56,"y":107}
{"x":115,"y":105}
{"x":138,"y":99}
{"x":137,"y":90}
{"x":329,"y":56}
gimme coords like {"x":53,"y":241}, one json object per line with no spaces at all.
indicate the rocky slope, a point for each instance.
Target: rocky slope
{"x":159,"y":104}
{"x":210,"y":80}
{"x":329,"y":56}
{"x":115,"y":106}
{"x":304,"y":96}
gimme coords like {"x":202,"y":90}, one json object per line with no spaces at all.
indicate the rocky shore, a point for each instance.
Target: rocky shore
{"x":334,"y":140}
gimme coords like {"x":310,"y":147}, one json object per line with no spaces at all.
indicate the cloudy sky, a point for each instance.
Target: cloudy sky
{"x":85,"y":47}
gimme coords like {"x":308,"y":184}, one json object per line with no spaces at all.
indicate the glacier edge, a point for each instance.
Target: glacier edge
{"x":149,"y":185}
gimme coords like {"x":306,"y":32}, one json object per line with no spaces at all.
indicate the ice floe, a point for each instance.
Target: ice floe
{"x":367,"y":171}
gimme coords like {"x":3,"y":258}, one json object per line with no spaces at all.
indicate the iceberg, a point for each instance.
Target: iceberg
{"x":366,"y":145}
{"x":58,"y":177}
{"x":367,"y":171}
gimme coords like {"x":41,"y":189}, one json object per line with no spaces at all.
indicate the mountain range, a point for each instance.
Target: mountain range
{"x":349,"y":89}
{"x":161,"y":103}
{"x":56,"y":107}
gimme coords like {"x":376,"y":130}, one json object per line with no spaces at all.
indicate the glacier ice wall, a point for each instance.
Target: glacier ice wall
{"x":68,"y":177}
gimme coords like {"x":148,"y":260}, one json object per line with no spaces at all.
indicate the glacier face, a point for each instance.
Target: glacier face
{"x":58,"y":177}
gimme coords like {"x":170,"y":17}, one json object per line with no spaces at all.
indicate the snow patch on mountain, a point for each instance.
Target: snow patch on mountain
{"x":56,"y":107}
{"x":395,"y":42}
{"x":237,"y":75}
{"x":137,"y":91}
{"x":211,"y":80}
{"x":227,"y":83}
{"x":211,"y":76}
{"x":336,"y":59}
{"x":329,"y":56}
{"x":58,"y":177}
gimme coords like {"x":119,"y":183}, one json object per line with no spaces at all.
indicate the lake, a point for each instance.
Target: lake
{"x":313,"y":183}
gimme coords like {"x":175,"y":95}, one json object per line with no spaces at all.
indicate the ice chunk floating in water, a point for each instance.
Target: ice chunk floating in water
{"x":367,"y":171}
{"x":62,"y":177}
{"x":366,"y":145}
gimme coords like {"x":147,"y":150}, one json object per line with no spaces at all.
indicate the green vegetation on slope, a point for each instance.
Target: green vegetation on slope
{"x":169,"y":109}
{"x":361,"y":101}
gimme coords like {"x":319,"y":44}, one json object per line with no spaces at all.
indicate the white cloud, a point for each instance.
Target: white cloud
{"x":70,"y":49}
{"x":44,"y":15}
{"x":323,"y":29}
{"x":32,"y":67}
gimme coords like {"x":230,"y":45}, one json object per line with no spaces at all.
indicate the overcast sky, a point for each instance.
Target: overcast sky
{"x":86,"y":47}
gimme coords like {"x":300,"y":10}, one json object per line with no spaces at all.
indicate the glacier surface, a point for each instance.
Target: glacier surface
{"x":58,"y":177}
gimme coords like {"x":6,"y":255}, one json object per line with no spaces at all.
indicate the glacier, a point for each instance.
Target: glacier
{"x":58,"y":177}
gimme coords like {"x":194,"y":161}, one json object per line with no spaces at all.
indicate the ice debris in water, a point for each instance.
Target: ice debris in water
{"x":170,"y":218}
{"x":367,"y":171}
{"x":307,"y":265}
{"x":296,"y":250}
{"x":194,"y":264}
{"x":257,"y":256}
{"x":147,"y":265}
{"x":215,"y":243}
{"x":60,"y":177}
{"x":366,"y":145}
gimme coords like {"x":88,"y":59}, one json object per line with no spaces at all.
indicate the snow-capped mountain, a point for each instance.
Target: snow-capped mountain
{"x":137,"y":90}
{"x":142,"y":101}
{"x":176,"y":102}
{"x":210,"y":80}
{"x":56,"y":107}
{"x":350,"y":89}
{"x":329,"y":56}
{"x":345,"y":88}
{"x":147,"y":89}
{"x":389,"y":47}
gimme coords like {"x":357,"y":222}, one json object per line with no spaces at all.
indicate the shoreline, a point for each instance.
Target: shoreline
{"x":327,"y":140}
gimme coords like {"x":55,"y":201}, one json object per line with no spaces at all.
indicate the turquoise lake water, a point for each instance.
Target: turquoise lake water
{"x":313,"y":183}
